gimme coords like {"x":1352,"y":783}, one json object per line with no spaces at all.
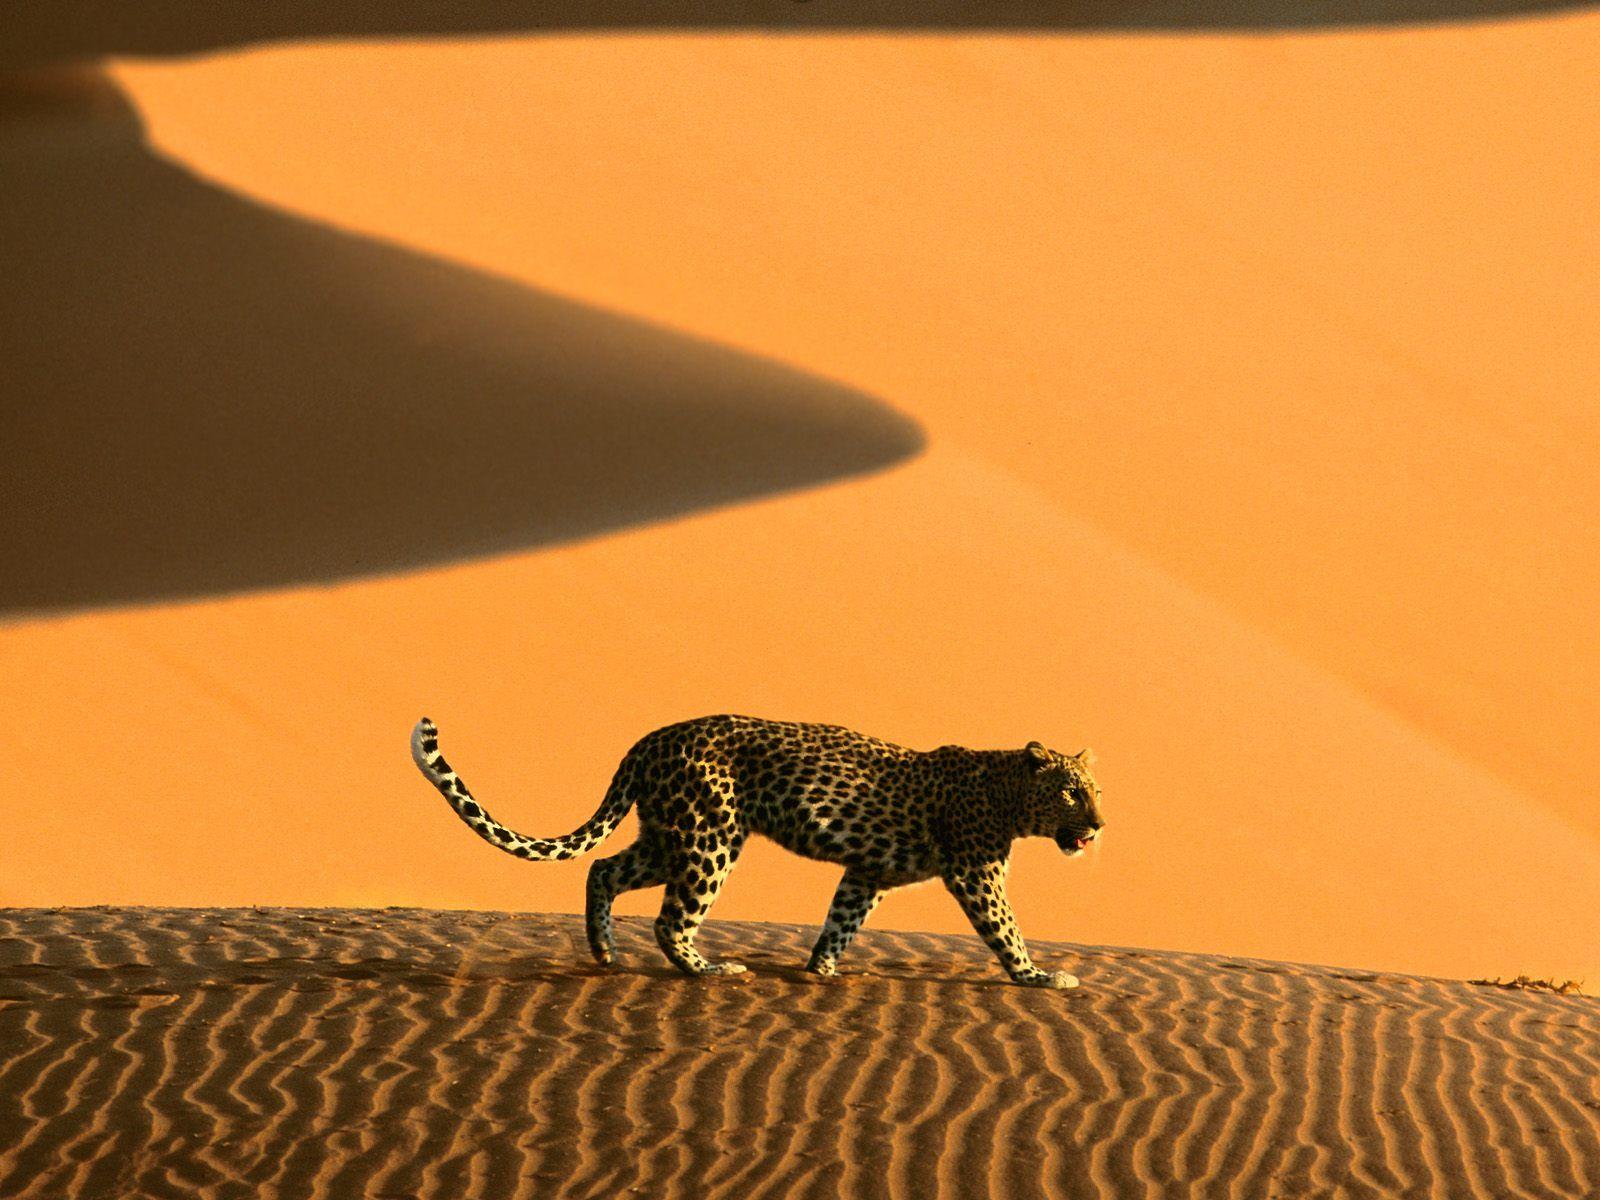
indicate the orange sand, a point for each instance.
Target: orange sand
{"x":1255,"y":378}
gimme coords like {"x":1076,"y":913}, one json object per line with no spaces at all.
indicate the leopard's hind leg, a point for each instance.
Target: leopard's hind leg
{"x":641,"y":865}
{"x":696,"y":874}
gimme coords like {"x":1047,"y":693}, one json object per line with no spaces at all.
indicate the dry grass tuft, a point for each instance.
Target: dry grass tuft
{"x":1529,"y":984}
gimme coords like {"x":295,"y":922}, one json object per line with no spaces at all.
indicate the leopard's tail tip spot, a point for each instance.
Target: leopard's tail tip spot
{"x":425,"y":744}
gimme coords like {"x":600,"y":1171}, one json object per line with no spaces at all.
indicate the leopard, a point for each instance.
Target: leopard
{"x":888,"y":815}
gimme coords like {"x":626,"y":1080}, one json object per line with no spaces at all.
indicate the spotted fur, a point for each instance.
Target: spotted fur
{"x":888,"y":815}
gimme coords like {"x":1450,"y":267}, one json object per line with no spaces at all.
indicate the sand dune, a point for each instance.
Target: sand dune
{"x":1301,"y":320}
{"x":349,"y":1053}
{"x":79,"y":29}
{"x":202,"y":394}
{"x":1255,"y":377}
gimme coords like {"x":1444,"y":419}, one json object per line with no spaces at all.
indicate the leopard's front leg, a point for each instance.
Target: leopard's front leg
{"x":980,"y":889}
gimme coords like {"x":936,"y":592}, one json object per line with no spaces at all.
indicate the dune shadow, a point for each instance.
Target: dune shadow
{"x":31,"y":34}
{"x":200,"y":394}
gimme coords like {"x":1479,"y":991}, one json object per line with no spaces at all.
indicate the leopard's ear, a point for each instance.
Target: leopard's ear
{"x":1085,"y":756}
{"x":1038,"y":756}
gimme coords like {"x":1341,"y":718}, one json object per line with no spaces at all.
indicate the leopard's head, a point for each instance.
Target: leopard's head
{"x":1063,"y":800}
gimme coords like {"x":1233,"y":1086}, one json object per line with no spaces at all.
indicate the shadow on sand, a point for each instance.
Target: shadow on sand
{"x":200,"y":394}
{"x":74,"y":29}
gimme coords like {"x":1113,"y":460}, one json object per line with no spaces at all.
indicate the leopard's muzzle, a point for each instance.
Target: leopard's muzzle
{"x":1075,"y":839}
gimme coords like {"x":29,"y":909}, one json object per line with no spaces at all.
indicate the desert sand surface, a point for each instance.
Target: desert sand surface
{"x":1218,"y":398}
{"x":405,"y":1053}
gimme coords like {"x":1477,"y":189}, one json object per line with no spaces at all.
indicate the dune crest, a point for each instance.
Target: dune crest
{"x":70,"y":30}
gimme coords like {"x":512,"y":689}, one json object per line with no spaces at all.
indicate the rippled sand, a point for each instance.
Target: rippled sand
{"x":409,"y":1053}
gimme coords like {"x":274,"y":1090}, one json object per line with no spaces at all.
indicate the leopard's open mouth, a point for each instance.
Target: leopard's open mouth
{"x":1072,"y":841}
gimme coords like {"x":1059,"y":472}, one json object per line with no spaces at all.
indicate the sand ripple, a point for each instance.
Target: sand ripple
{"x":405,"y":1054}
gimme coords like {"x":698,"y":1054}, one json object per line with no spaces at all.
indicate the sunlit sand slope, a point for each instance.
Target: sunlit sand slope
{"x":256,"y":751}
{"x":1306,"y":320}
{"x":345,"y":1053}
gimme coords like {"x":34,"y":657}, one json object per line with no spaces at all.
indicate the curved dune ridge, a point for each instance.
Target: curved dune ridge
{"x":411,"y":1053}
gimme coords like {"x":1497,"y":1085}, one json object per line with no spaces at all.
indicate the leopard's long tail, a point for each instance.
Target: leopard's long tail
{"x":425,"y":753}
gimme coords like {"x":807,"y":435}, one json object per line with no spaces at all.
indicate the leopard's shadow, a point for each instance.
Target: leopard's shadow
{"x":870,"y":960}
{"x":758,"y":967}
{"x":202,"y":395}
